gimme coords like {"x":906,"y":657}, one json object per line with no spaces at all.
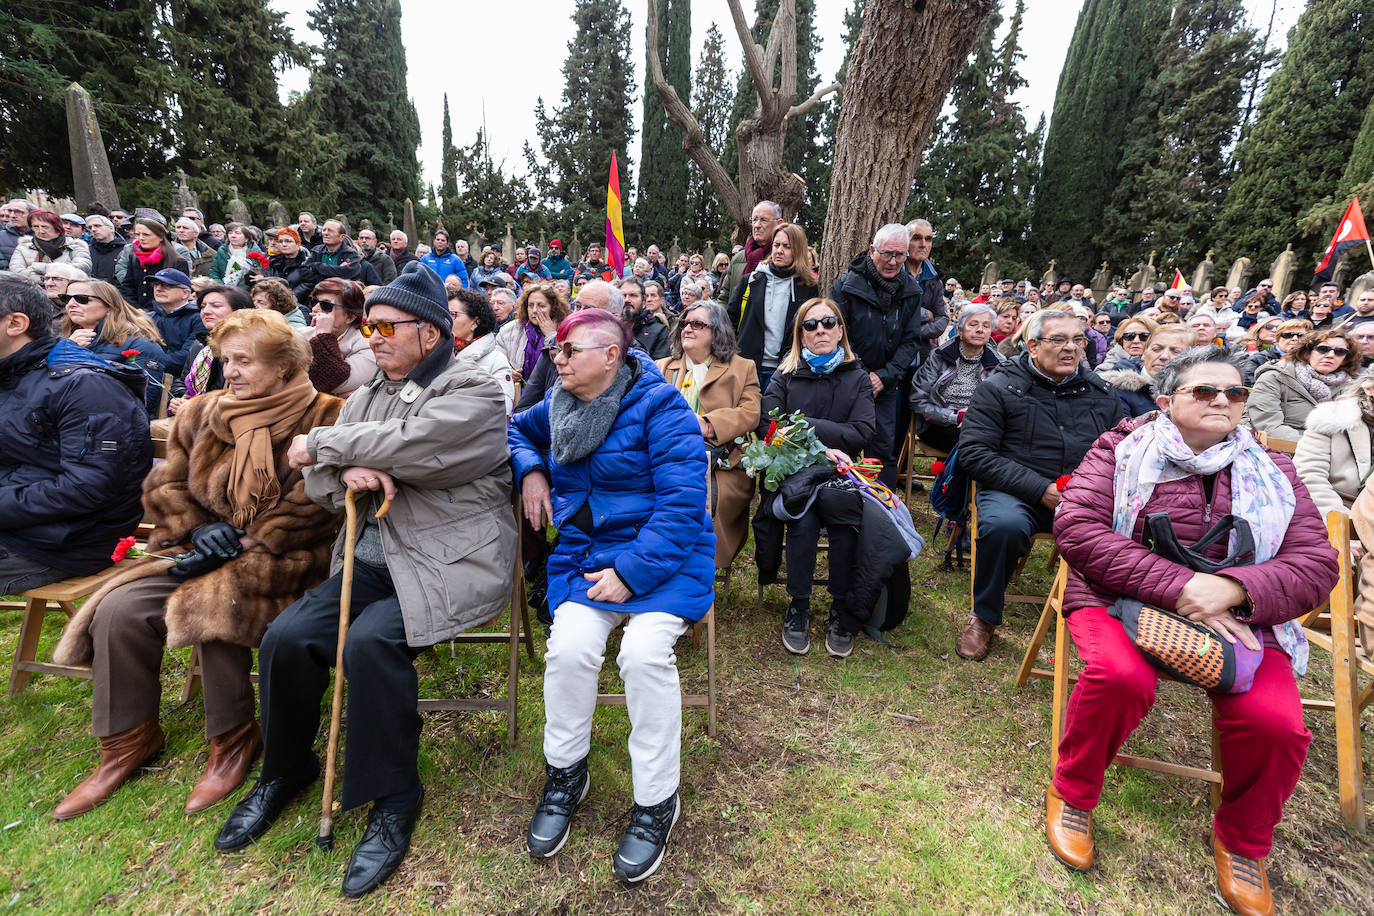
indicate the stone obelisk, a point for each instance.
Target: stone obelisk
{"x":90,"y":165}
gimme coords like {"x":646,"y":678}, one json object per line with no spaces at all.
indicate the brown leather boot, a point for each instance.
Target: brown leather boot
{"x":975,"y":639}
{"x":120,"y":755}
{"x":1069,"y":830}
{"x":231,"y":756}
{"x":1244,"y":882}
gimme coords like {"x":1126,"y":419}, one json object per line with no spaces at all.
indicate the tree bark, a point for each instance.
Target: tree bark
{"x":900,"y":70}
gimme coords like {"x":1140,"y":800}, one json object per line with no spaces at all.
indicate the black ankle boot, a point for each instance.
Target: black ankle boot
{"x":564,"y":790}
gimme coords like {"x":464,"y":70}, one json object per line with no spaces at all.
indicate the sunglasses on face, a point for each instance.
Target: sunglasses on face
{"x":696,"y":325}
{"x":1325,"y":350}
{"x":1206,"y":394}
{"x":1132,"y":336}
{"x":385,"y":328}
{"x":568,"y":349}
{"x":1290,"y":335}
{"x":326,"y":306}
{"x":79,"y":299}
{"x":829,"y":322}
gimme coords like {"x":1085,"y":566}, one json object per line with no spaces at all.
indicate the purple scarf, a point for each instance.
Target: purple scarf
{"x":534,"y":342}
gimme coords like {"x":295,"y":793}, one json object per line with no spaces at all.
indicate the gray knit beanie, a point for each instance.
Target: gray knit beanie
{"x":418,"y":292}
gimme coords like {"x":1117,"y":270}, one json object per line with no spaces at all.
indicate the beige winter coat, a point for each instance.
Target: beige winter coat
{"x":1334,"y":454}
{"x":1280,"y":403}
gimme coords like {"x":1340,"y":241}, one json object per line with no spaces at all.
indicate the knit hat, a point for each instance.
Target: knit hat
{"x":417,"y":292}
{"x":556,"y":244}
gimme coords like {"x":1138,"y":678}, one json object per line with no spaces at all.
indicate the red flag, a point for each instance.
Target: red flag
{"x":1178,"y":280}
{"x":1349,"y":234}
{"x":615,"y":232}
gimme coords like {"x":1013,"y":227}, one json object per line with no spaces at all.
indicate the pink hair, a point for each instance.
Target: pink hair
{"x":609,"y":327}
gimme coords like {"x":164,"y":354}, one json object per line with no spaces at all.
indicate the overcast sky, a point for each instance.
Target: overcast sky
{"x":495,"y":64}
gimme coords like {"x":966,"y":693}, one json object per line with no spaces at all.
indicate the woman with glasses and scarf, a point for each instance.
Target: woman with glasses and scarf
{"x":1128,"y":342}
{"x":48,"y":244}
{"x":1311,"y":373}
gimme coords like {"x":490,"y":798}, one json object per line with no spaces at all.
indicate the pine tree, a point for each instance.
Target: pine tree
{"x":1107,"y":64}
{"x":712,"y":93}
{"x":448,"y":169}
{"x":490,"y":198}
{"x":360,"y":93}
{"x":591,"y":121}
{"x":661,"y":193}
{"x":1174,"y":164}
{"x":1297,"y":152}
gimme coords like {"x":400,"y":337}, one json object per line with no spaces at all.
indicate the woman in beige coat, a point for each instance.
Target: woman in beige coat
{"x":1335,"y":452}
{"x":1312,"y":373}
{"x":724,"y":392}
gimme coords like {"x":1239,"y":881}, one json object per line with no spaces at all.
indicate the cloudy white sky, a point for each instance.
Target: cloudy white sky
{"x":495,"y":61}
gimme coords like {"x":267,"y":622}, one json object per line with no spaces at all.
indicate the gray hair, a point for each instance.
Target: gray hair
{"x":20,"y":295}
{"x":685,"y":285}
{"x":777,"y":210}
{"x":615,"y":299}
{"x":396,"y":232}
{"x":1170,"y":378}
{"x":654,"y":283}
{"x":891,"y":231}
{"x":723,"y":343}
{"x":911,"y":226}
{"x":974,"y":309}
{"x":95,"y":219}
{"x":1036,"y":327}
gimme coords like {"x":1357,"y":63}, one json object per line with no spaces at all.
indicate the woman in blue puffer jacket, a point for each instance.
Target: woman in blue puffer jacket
{"x":623,"y":453}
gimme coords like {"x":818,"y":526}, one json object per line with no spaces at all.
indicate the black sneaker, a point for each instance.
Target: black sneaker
{"x":796,"y":628}
{"x":839,"y":642}
{"x":645,"y":840}
{"x":564,"y":790}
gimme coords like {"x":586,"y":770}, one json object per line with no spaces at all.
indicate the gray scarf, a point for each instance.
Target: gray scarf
{"x":577,"y":429}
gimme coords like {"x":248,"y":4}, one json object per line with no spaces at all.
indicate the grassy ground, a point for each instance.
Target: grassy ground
{"x":905,"y":781}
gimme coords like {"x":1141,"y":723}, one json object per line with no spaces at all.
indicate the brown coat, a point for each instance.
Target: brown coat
{"x":237,"y":601}
{"x":729,"y":401}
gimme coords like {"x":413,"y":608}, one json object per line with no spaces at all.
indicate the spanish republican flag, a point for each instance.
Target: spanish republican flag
{"x":615,"y":230}
{"x":1349,"y":234}
{"x":1179,"y":282}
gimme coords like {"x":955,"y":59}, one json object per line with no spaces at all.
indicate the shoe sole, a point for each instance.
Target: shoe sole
{"x":789,"y":647}
{"x":586,"y":789}
{"x":677,"y":812}
{"x":834,"y":654}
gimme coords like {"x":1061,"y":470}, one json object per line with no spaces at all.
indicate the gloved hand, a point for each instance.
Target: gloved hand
{"x":195,"y":563}
{"x":219,"y":539}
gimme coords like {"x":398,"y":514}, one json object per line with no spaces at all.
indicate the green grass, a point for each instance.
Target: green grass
{"x":892,"y":782}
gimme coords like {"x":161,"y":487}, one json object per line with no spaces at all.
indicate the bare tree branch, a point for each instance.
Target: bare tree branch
{"x":753,"y":54}
{"x":802,"y":108}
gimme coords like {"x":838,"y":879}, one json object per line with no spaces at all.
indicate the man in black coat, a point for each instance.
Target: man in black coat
{"x":650,"y":333}
{"x":1029,"y":423}
{"x":106,"y":245}
{"x":881,"y":306}
{"x":74,"y":447}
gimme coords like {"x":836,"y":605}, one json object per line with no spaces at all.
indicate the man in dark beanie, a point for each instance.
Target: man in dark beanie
{"x":430,"y":433}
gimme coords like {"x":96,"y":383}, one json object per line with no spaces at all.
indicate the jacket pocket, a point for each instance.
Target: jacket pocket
{"x":451,"y":541}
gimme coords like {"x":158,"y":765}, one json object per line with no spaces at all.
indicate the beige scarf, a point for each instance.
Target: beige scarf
{"x":254,"y":425}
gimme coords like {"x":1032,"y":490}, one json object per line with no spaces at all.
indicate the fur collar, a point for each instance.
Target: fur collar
{"x":1335,"y":417}
{"x":1125,"y":379}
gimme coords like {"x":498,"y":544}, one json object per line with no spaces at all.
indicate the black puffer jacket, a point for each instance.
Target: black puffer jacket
{"x":74,"y":449}
{"x":1021,"y":433}
{"x":104,"y":257}
{"x":883,"y":330}
{"x":839,"y":406}
{"x":288,"y":270}
{"x":651,"y":335}
{"x":746,"y":308}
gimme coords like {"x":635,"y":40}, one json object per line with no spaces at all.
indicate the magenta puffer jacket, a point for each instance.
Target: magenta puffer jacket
{"x":1106,"y":565}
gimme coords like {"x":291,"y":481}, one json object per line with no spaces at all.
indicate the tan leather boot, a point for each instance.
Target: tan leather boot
{"x":1244,"y":881}
{"x":120,"y":755}
{"x":231,"y":757}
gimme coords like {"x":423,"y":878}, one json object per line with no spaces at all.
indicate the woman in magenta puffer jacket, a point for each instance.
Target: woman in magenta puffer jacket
{"x":1192,"y":462}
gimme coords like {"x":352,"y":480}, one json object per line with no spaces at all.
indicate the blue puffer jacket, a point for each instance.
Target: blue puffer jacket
{"x":445,"y":265}
{"x":646,"y":489}
{"x":152,"y":359}
{"x":74,"y":449}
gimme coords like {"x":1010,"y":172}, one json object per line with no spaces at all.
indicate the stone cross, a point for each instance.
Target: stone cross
{"x":408,"y":227}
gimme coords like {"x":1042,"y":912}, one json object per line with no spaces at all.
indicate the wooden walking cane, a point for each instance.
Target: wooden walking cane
{"x":325,"y":839}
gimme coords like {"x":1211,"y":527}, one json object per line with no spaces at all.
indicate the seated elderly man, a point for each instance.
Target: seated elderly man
{"x":429,"y":432}
{"x":74,"y":447}
{"x":1028,"y":425}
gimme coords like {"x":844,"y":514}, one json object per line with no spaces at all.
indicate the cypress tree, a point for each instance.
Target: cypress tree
{"x":1300,"y":146}
{"x":830,"y":119}
{"x":712,"y":93}
{"x":661,"y":195}
{"x":591,"y":120}
{"x":359,"y":91}
{"x":1109,"y":59}
{"x":1174,"y":164}
{"x":448,"y":169}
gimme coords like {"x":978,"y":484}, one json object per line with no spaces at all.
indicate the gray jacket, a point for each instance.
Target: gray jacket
{"x":449,"y":539}
{"x":1279,"y":403}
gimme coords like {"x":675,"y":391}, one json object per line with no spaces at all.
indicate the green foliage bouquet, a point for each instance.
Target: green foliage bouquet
{"x":789,"y":445}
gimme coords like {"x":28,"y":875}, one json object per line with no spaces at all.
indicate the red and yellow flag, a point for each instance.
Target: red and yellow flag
{"x":1179,"y":282}
{"x":615,"y":230}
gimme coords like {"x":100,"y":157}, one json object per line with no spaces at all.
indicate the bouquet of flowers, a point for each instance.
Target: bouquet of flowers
{"x":789,"y":445}
{"x":259,"y":259}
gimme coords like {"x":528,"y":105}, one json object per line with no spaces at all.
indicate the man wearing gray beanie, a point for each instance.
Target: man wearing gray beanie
{"x":430,"y":433}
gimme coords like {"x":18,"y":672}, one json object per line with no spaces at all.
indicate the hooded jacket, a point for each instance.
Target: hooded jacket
{"x":74,"y":449}
{"x":104,"y":258}
{"x":748,"y":305}
{"x":883,"y":329}
{"x":1334,"y":454}
{"x":1137,"y":393}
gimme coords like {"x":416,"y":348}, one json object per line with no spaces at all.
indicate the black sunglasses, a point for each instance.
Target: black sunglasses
{"x":828,"y":322}
{"x":80,"y":299}
{"x":1289,"y":335}
{"x":1135,"y":335}
{"x":324,"y":304}
{"x":1206,"y":394}
{"x":1325,"y":350}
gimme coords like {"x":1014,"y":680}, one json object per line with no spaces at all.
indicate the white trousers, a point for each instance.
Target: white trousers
{"x":648,"y":666}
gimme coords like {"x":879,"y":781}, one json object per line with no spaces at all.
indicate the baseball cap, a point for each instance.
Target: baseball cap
{"x":172,"y":277}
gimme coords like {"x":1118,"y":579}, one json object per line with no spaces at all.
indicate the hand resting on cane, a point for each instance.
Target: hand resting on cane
{"x":1208,"y":600}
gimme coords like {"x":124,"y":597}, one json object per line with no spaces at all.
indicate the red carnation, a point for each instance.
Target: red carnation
{"x":772,"y":430}
{"x":259,"y":257}
{"x":937,"y":467}
{"x":122,"y":549}
{"x":1061,"y":483}
{"x":130,"y":353}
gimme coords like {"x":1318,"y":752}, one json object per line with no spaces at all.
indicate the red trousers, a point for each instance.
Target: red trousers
{"x":1262,"y":734}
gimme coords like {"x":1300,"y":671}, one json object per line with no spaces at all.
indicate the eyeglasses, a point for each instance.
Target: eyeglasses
{"x":567,"y":349}
{"x":1290,"y":335}
{"x":1269,"y":327}
{"x":829,"y":322}
{"x":326,"y":306}
{"x":892,"y":255}
{"x":1325,"y":350}
{"x":696,"y":325}
{"x":1266,"y":286}
{"x":385,"y":328}
{"x":1206,"y":394}
{"x":1132,"y":336}
{"x":80,"y":299}
{"x":1058,"y":341}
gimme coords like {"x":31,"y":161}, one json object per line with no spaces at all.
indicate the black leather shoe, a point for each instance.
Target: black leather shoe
{"x":646,"y":840}
{"x":261,"y":807}
{"x":564,"y":790}
{"x":380,"y":851}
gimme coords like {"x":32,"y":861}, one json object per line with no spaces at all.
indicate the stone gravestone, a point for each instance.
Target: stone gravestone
{"x":1239,"y":274}
{"x":91,"y":175}
{"x":238,"y":211}
{"x":575,"y":250}
{"x":1345,"y":269}
{"x":476,"y":242}
{"x":408,"y":225}
{"x":1049,"y":277}
{"x":1282,"y":271}
{"x":183,"y":196}
{"x":1102,"y":283}
{"x":1202,"y":277}
{"x":279,"y":215}
{"x":674,"y":252}
{"x":990,"y":275}
{"x":1362,"y":283}
{"x":508,"y":247}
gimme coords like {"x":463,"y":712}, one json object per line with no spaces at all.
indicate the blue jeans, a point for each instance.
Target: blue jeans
{"x":1005,"y":526}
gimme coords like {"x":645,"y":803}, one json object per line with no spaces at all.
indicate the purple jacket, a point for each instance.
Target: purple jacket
{"x":1106,"y":565}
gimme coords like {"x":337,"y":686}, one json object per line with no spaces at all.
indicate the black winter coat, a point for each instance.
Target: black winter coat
{"x":884,"y":331}
{"x":1021,"y":433}
{"x":839,"y":406}
{"x":746,"y":308}
{"x":74,"y":449}
{"x":926,"y":402}
{"x":288,"y":270}
{"x":104,"y":257}
{"x":134,"y":289}
{"x":651,"y":335}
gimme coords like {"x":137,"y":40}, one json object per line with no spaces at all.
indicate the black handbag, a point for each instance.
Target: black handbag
{"x":1159,"y":536}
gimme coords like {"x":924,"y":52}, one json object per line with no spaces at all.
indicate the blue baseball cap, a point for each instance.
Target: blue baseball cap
{"x":172,"y":277}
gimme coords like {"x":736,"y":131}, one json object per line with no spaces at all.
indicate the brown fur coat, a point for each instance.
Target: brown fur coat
{"x":237,"y":601}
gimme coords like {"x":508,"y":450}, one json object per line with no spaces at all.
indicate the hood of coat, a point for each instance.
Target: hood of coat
{"x":1126,"y":379}
{"x":1335,"y":417}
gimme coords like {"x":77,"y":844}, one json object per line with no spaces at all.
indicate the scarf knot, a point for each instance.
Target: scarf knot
{"x":823,"y":363}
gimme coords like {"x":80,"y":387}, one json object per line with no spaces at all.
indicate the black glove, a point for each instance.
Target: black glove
{"x":194,"y":563}
{"x":219,"y":539}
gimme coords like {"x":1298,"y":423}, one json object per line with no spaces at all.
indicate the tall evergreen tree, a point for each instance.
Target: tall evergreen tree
{"x":360,"y":93}
{"x":1174,"y":164}
{"x":592,"y":119}
{"x":1107,"y":64}
{"x":661,"y":193}
{"x":712,"y":94}
{"x":490,"y":198}
{"x":818,"y":182}
{"x":448,"y":168}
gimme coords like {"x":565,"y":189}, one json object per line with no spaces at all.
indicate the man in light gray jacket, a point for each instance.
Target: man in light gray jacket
{"x":429,"y":432}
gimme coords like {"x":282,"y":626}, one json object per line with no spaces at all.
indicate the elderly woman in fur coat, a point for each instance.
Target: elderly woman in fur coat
{"x":247,"y":542}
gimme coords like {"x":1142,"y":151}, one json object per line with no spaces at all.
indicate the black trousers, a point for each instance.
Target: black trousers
{"x":939,"y":436}
{"x":883,"y":445}
{"x":380,"y":755}
{"x":803,"y":535}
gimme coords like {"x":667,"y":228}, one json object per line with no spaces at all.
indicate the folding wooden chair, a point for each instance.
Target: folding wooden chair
{"x":38,"y":602}
{"x":912,"y":447}
{"x":1011,"y":597}
{"x":707,"y":699}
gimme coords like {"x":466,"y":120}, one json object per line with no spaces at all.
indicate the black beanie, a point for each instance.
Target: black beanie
{"x":418,"y":292}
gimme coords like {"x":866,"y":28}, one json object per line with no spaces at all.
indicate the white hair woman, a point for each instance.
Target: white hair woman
{"x":945,"y":383}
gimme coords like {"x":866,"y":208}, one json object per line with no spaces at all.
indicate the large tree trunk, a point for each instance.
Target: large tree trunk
{"x":900,"y":71}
